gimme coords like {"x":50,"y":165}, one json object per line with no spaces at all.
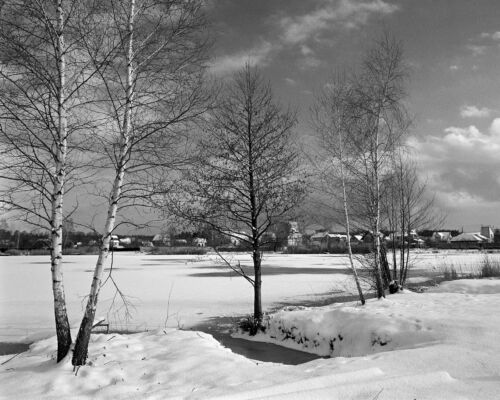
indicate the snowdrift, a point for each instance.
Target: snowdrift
{"x":440,"y":345}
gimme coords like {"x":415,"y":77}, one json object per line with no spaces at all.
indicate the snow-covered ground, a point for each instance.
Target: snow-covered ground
{"x":436,"y":345}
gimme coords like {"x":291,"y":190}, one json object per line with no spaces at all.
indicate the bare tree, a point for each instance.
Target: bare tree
{"x":408,"y":207}
{"x":150,"y":92}
{"x":41,"y":76}
{"x":247,"y":176}
{"x":379,"y":124}
{"x":332,"y":120}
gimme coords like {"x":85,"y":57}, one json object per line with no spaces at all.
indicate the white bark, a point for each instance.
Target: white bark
{"x":81,"y":346}
{"x":62,"y":324}
{"x":347,"y":223}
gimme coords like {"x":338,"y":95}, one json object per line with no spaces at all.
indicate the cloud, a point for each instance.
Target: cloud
{"x":306,"y":50}
{"x":476,"y":49}
{"x":308,"y":62}
{"x":454,"y":67}
{"x":462,"y":163}
{"x":258,"y":55}
{"x":492,"y":35}
{"x":495,"y":127}
{"x":346,"y":13}
{"x":290,"y":81}
{"x":474,"y":112}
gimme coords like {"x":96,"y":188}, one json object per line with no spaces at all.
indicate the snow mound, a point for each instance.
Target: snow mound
{"x":469,"y":286}
{"x":347,"y":330}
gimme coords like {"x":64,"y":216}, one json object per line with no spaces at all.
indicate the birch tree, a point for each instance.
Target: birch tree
{"x":380,"y":123}
{"x":332,"y":118}
{"x":41,"y":77}
{"x":150,"y":92}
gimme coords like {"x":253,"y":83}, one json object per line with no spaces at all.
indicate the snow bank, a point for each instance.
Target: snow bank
{"x":437,"y":346}
{"x":348,"y":329}
{"x":469,"y":286}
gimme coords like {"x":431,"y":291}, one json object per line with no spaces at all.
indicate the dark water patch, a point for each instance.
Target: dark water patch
{"x":48,"y":262}
{"x":119,"y":269}
{"x":325,"y":300}
{"x":162,"y":265}
{"x":7,"y":348}
{"x":219,"y":328}
{"x":168,"y":260}
{"x":270,"y":271}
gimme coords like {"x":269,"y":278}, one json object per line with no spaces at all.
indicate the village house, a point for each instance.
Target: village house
{"x":469,"y":240}
{"x":441,"y":237}
{"x":294,"y":237}
{"x":199,"y":242}
{"x":161,"y":240}
{"x":334,"y":242}
{"x":487,"y":232}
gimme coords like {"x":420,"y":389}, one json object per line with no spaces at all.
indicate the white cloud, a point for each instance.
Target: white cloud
{"x":454,"y":67}
{"x":306,"y":50}
{"x":290,"y":81}
{"x":308,"y":63}
{"x":495,"y":127}
{"x":492,"y":35}
{"x":476,"y":49}
{"x":348,"y":13}
{"x":474,"y":112}
{"x":258,"y":55}
{"x":462,"y":163}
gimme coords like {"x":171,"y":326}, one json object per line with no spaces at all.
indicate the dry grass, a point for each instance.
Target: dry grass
{"x":488,"y":267}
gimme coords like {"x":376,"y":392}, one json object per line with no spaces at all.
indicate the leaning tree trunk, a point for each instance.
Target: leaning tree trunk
{"x":61,"y":316}
{"x":83,"y":338}
{"x":347,"y":225}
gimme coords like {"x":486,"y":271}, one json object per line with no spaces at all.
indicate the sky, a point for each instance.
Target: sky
{"x":451,"y":46}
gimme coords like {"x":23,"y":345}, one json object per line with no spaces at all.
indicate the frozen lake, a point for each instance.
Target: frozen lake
{"x":187,"y":289}
{"x":199,"y":288}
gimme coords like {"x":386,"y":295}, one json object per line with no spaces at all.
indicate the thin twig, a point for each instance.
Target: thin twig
{"x":5,"y":362}
{"x":238,"y":270}
{"x":168,"y":305}
{"x":378,"y":394}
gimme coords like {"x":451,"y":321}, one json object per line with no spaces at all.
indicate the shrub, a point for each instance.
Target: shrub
{"x":14,"y":252}
{"x":189,"y":250}
{"x":251,"y":325}
{"x":450,"y":273}
{"x":490,"y":268}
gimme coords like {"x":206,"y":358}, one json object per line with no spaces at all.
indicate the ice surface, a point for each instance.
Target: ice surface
{"x":187,"y":289}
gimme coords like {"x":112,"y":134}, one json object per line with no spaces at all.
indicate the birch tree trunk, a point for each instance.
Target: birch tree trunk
{"x":376,"y":205}
{"x":347,"y":222}
{"x":61,"y":317}
{"x":82,"y":340}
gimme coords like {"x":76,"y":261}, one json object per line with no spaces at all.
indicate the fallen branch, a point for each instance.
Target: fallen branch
{"x":5,"y":362}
